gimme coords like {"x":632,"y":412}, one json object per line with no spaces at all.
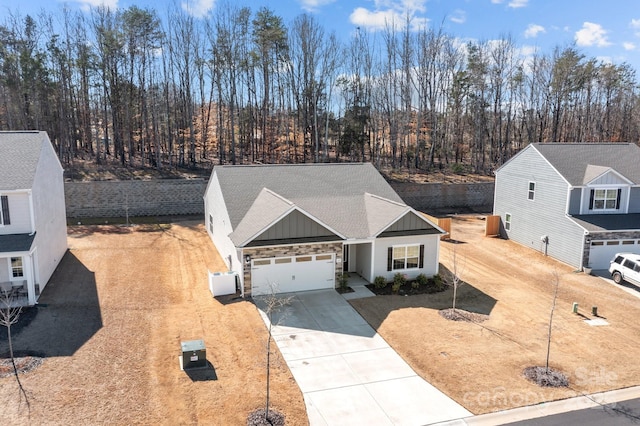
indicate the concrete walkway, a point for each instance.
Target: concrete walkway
{"x":347,"y":373}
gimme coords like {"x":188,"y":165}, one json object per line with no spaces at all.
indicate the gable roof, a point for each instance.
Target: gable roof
{"x":351,"y":199}
{"x":579,"y":163}
{"x":19,"y":155}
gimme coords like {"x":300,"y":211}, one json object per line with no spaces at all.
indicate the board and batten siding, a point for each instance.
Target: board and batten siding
{"x":294,"y":225}
{"x":545,"y":215}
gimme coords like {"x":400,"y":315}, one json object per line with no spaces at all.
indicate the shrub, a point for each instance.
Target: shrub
{"x":398,"y":281}
{"x":380,"y":282}
{"x":458,"y":169}
{"x":438,"y":283}
{"x":422,"y":280}
{"x":343,"y":281}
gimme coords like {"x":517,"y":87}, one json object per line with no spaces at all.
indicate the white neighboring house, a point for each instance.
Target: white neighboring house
{"x":299,"y":226}
{"x":33,"y":226}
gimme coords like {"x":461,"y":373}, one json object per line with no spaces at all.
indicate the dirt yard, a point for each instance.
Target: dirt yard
{"x":110,"y":323}
{"x":480,"y":364}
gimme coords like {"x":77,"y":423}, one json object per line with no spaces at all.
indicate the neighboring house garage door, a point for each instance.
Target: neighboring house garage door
{"x":296,"y":273}
{"x":602,"y":252}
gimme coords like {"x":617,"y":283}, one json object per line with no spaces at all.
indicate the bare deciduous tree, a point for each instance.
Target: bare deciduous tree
{"x":9,"y":315}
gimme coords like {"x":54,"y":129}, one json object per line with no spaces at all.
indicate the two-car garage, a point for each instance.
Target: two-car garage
{"x":292,"y":273}
{"x":603,"y":251}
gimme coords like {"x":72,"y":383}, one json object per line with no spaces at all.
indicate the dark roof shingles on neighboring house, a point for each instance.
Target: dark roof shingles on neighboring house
{"x":19,"y":156}
{"x":608,"y":222}
{"x":572,"y":160}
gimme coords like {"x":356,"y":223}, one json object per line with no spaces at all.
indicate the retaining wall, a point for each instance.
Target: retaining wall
{"x":430,"y":197}
{"x":172,"y":197}
{"x":162,"y":197}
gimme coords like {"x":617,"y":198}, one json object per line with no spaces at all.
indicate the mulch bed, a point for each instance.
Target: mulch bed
{"x":405,"y":290}
{"x":344,"y":290}
{"x":24,"y":364}
{"x":546,"y":377}
{"x":462,"y":315}
{"x":257,"y":418}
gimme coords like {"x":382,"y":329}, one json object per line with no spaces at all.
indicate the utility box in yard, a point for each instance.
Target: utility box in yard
{"x":194,"y":354}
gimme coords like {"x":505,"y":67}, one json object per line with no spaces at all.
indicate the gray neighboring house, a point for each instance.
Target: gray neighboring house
{"x":300,"y":226}
{"x":33,"y":224}
{"x":577,"y":202}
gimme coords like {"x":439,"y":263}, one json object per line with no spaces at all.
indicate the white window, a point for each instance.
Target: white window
{"x":406,"y":257}
{"x":532,"y":190}
{"x":507,"y":221}
{"x":605,"y":199}
{"x":17,"y":271}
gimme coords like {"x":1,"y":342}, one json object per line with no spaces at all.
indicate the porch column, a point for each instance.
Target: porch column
{"x":27,"y":269}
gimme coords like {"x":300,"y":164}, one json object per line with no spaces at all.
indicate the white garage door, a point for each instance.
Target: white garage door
{"x":296,"y":273}
{"x":602,"y":252}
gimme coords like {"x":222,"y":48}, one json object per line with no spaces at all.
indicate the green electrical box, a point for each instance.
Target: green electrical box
{"x":194,"y":354}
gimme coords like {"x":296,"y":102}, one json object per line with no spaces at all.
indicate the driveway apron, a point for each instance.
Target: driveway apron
{"x":347,"y":373}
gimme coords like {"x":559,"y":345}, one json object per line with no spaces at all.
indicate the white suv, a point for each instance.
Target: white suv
{"x":625,"y":267}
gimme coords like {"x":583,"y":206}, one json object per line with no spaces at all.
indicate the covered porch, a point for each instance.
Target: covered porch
{"x":18,"y":277}
{"x":14,"y":293}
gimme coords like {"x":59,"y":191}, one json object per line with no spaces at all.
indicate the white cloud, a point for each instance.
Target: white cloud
{"x":86,"y":5}
{"x":592,"y":35}
{"x":533,"y":30}
{"x":314,"y":5}
{"x":496,"y":1}
{"x":198,"y":8}
{"x":635,"y":23}
{"x":515,"y":4}
{"x":628,"y":46}
{"x":390,"y":12}
{"x":459,"y":16}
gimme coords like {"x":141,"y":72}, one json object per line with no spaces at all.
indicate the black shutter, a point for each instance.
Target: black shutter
{"x":389,"y":258}
{"x":618,"y":199}
{"x":421,"y":256}
{"x":591,"y":199}
{"x":5,"y":210}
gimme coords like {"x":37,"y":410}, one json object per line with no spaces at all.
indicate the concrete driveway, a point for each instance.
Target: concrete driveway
{"x":347,"y":373}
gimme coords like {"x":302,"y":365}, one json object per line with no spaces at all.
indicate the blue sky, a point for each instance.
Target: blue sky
{"x":605,"y":29}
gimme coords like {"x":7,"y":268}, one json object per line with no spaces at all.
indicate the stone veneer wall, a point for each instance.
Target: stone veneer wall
{"x":437,"y":196}
{"x":160,"y":197}
{"x":606,"y":236}
{"x":284,"y":251}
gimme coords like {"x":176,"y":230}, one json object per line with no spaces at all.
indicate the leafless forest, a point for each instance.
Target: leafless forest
{"x":161,"y":89}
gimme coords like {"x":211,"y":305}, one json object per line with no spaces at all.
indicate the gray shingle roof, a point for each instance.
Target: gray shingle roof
{"x":16,"y":242}
{"x":572,"y":160}
{"x":352,"y":199}
{"x":19,"y":155}
{"x":608,"y":222}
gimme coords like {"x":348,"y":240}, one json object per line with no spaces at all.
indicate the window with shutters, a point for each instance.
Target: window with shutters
{"x":406,"y":257}
{"x":605,"y":199}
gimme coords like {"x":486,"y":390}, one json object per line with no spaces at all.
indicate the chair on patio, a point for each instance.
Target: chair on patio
{"x":6,"y":288}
